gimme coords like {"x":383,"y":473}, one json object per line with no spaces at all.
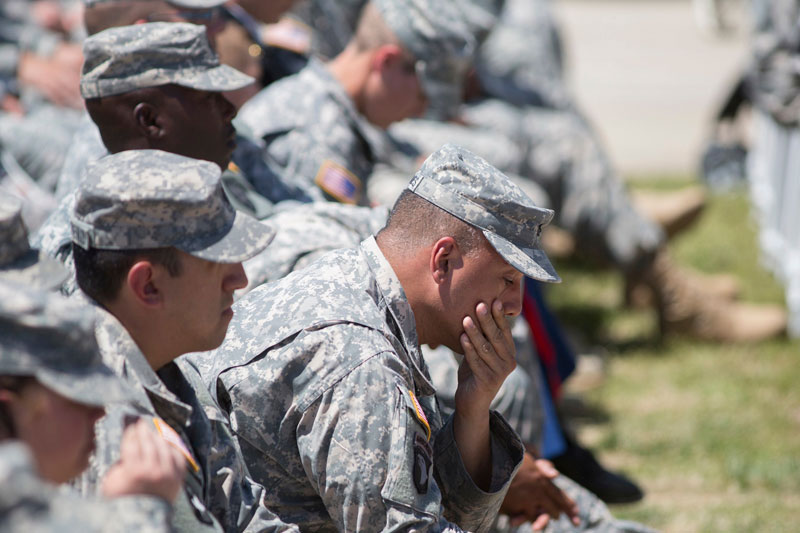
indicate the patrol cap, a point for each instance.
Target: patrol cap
{"x":469,"y":188}
{"x":152,"y":199}
{"x":51,"y":338}
{"x":123,"y":59}
{"x":190,"y":4}
{"x":18,"y":262}
{"x":435,"y":31}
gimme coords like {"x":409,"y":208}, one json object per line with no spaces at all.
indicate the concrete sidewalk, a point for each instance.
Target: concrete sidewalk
{"x":648,"y":78}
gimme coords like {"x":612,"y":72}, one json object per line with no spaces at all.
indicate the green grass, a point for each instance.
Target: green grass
{"x":712,"y":432}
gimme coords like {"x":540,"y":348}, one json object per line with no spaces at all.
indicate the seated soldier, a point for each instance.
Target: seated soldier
{"x":352,"y":438}
{"x":159,"y":247}
{"x":175,"y":105}
{"x":321,"y":127}
{"x":53,"y":388}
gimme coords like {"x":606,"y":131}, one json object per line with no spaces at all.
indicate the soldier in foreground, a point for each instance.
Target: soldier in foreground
{"x":159,"y":247}
{"x":323,"y":378}
{"x":53,"y":388}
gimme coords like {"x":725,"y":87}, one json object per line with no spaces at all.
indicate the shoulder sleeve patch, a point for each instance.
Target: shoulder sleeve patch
{"x":338,"y":182}
{"x":414,"y":405}
{"x":172,"y":437}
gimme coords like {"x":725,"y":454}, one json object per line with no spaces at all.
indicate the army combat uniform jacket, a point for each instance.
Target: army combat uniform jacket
{"x":27,"y":503}
{"x":312,"y":131}
{"x":217,"y":495}
{"x":332,"y":403}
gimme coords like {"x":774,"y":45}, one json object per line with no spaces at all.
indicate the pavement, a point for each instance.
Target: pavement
{"x":649,"y":78}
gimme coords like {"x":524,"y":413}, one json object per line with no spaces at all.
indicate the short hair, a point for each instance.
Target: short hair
{"x":15,"y":384}
{"x":100,"y":273}
{"x":414,"y":222}
{"x":372,"y":31}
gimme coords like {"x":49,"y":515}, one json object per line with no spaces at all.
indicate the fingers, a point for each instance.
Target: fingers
{"x":541,"y":522}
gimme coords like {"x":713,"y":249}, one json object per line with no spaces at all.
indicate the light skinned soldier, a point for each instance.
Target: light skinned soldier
{"x":175,"y":104}
{"x":352,"y":438}
{"x":53,"y":388}
{"x":159,"y":247}
{"x":323,"y":126}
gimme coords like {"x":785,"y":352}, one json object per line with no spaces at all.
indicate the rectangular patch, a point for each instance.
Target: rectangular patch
{"x":338,"y":182}
{"x":420,"y":414}
{"x":172,"y":437}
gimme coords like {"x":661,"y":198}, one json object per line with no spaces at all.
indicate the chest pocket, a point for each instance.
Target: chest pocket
{"x":409,"y":481}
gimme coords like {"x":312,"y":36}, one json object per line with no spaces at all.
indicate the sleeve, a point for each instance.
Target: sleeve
{"x":233,"y":497}
{"x":465,"y":503}
{"x":368,"y":456}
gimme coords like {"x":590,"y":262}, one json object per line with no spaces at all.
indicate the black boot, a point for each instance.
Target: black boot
{"x":579,"y":464}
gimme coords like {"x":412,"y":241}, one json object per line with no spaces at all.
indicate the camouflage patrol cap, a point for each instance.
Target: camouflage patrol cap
{"x":189,"y":4}
{"x":51,"y":338}
{"x":152,"y":199}
{"x":119,"y":60}
{"x":18,"y":262}
{"x":436,"y":32}
{"x":471,"y":189}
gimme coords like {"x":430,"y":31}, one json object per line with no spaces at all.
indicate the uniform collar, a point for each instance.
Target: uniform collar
{"x":121,"y":353}
{"x":393,"y":297}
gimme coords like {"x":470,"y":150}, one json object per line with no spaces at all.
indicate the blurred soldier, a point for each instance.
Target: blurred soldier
{"x":159,"y":247}
{"x":175,"y":104}
{"x":322,"y":126}
{"x":53,"y":388}
{"x":352,"y":437}
{"x":19,"y":264}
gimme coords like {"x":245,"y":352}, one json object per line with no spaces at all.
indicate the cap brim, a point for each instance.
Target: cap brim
{"x":532,"y":262}
{"x":97,"y":385}
{"x":35,"y":270}
{"x":218,"y":79}
{"x":246,"y":238}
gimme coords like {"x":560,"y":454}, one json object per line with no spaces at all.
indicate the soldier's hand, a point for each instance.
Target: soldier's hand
{"x":489,"y":357}
{"x":148,"y":465}
{"x":56,"y":77}
{"x":533,"y":497}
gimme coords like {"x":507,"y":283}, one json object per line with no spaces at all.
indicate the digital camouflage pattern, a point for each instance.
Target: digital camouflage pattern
{"x":217,"y":495}
{"x":19,"y":263}
{"x":176,"y":201}
{"x":86,"y":146}
{"x":317,"y":375}
{"x":304,"y":232}
{"x":119,"y":60}
{"x":469,"y":188}
{"x":13,"y":233}
{"x":191,"y":4}
{"x":47,"y":337}
{"x":309,"y":126}
{"x":27,"y":503}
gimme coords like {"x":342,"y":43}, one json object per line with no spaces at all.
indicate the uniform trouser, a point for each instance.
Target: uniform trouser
{"x":773,"y":171}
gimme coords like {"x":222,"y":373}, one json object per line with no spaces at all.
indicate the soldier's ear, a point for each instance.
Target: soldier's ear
{"x":445,"y":256}
{"x":142,"y":284}
{"x":147,"y":120}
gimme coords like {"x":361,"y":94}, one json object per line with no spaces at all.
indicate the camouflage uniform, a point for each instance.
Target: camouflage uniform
{"x":304,"y":232}
{"x":19,"y":264}
{"x":177,"y":202}
{"x":45,"y":337}
{"x":310,"y":126}
{"x":328,"y":392}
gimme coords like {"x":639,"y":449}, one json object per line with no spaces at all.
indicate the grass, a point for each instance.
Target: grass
{"x":712,"y":432}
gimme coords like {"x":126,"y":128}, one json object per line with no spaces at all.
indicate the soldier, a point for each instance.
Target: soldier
{"x":322,"y":126}
{"x":159,"y":247}
{"x":174,"y":104}
{"x":53,"y":387}
{"x":352,"y":438}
